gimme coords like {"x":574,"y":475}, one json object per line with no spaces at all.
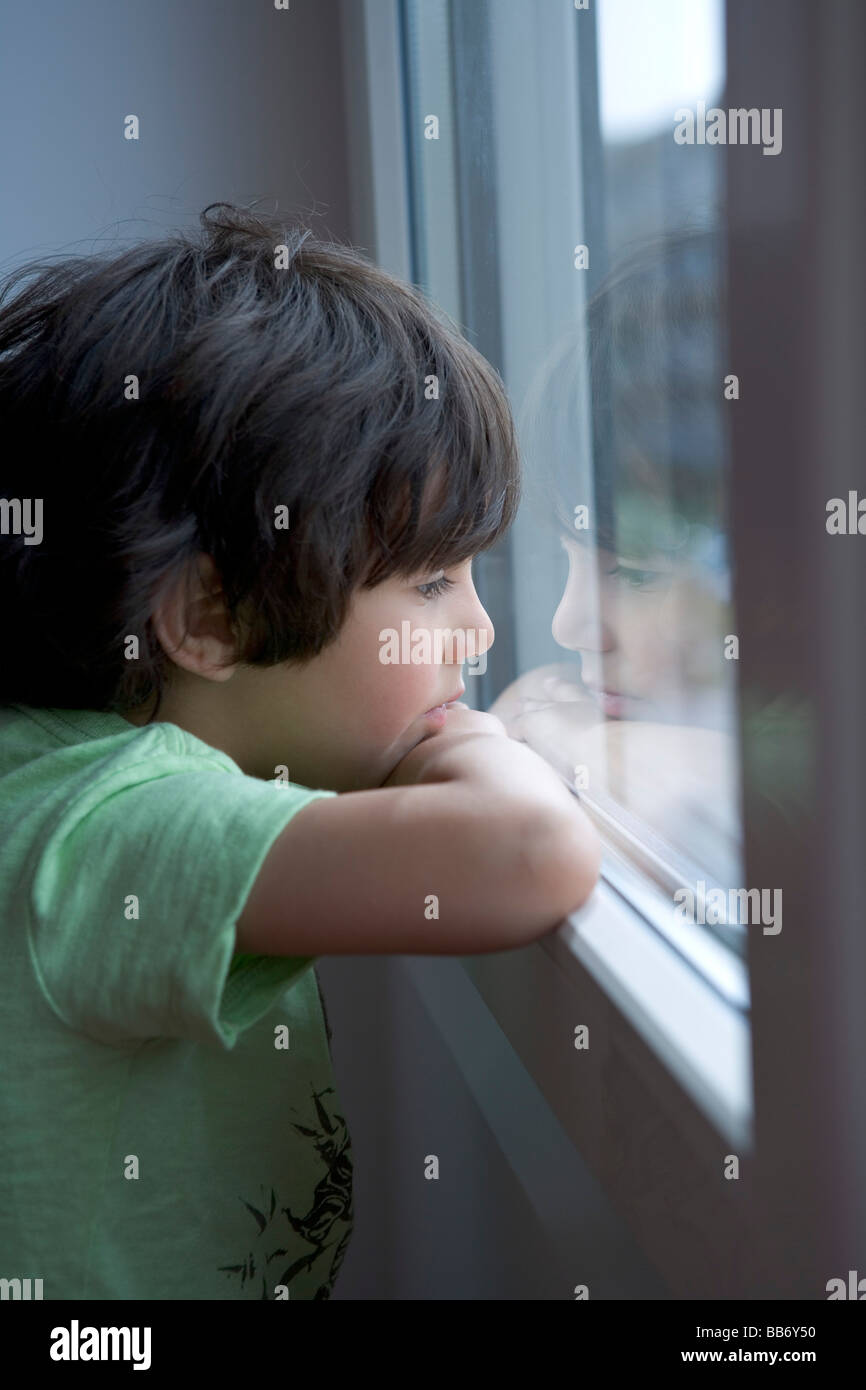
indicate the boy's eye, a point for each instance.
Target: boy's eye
{"x":635,"y":578}
{"x":435,"y":587}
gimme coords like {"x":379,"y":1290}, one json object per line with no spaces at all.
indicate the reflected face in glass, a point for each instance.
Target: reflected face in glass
{"x":647,"y":630}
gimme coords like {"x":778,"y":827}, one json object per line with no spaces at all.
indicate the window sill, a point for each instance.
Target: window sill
{"x":689,"y":1017}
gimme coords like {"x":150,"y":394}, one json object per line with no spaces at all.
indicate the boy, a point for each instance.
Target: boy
{"x":208,"y":774}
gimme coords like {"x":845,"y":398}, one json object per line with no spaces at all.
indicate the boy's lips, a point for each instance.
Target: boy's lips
{"x":614,"y":703}
{"x":607,"y":690}
{"x":450,"y":701}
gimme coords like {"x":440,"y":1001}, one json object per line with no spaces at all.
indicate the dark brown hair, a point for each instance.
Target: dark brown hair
{"x":652,"y":345}
{"x":259,"y":386}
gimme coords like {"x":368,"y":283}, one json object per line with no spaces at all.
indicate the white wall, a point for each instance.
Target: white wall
{"x":236,"y":100}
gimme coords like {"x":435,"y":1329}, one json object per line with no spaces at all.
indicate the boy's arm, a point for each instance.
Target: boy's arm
{"x":468,"y":816}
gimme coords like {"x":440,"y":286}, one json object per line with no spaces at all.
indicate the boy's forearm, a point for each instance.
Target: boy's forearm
{"x":499,"y":767}
{"x":508,"y":777}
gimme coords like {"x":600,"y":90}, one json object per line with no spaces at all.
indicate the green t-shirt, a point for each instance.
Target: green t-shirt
{"x":169,"y":1122}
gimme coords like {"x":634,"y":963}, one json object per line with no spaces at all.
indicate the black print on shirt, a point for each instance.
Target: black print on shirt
{"x":331,"y":1204}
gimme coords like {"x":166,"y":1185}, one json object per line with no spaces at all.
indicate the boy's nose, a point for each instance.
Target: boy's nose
{"x":577,"y":628}
{"x":468,"y":643}
{"x":482,"y":636}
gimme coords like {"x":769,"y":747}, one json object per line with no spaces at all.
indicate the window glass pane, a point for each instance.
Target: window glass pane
{"x":609,"y":330}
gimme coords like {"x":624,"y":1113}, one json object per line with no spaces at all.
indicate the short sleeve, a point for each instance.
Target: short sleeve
{"x":135,"y":898}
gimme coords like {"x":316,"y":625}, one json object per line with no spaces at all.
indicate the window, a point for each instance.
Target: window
{"x":581,"y":248}
{"x":545,"y":143}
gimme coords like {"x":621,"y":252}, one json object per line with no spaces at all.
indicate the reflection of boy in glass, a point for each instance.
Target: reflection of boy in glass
{"x":645,"y":602}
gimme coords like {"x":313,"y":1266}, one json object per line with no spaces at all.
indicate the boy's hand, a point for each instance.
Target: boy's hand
{"x":459,"y":720}
{"x":463,"y":719}
{"x":474,"y":754}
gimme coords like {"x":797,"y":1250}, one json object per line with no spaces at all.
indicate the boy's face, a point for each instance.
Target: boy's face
{"x":347,"y":718}
{"x":650,"y":630}
{"x":344,"y":719}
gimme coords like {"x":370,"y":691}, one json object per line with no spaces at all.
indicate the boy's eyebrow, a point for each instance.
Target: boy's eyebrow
{"x":655,"y":563}
{"x":422,"y":577}
{"x":627,"y":564}
{"x":429,"y":573}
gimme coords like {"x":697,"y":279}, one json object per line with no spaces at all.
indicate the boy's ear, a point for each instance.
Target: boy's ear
{"x":193,"y":624}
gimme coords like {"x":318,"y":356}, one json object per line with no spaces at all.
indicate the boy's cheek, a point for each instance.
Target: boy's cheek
{"x":402,"y":684}
{"x":395,"y":711}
